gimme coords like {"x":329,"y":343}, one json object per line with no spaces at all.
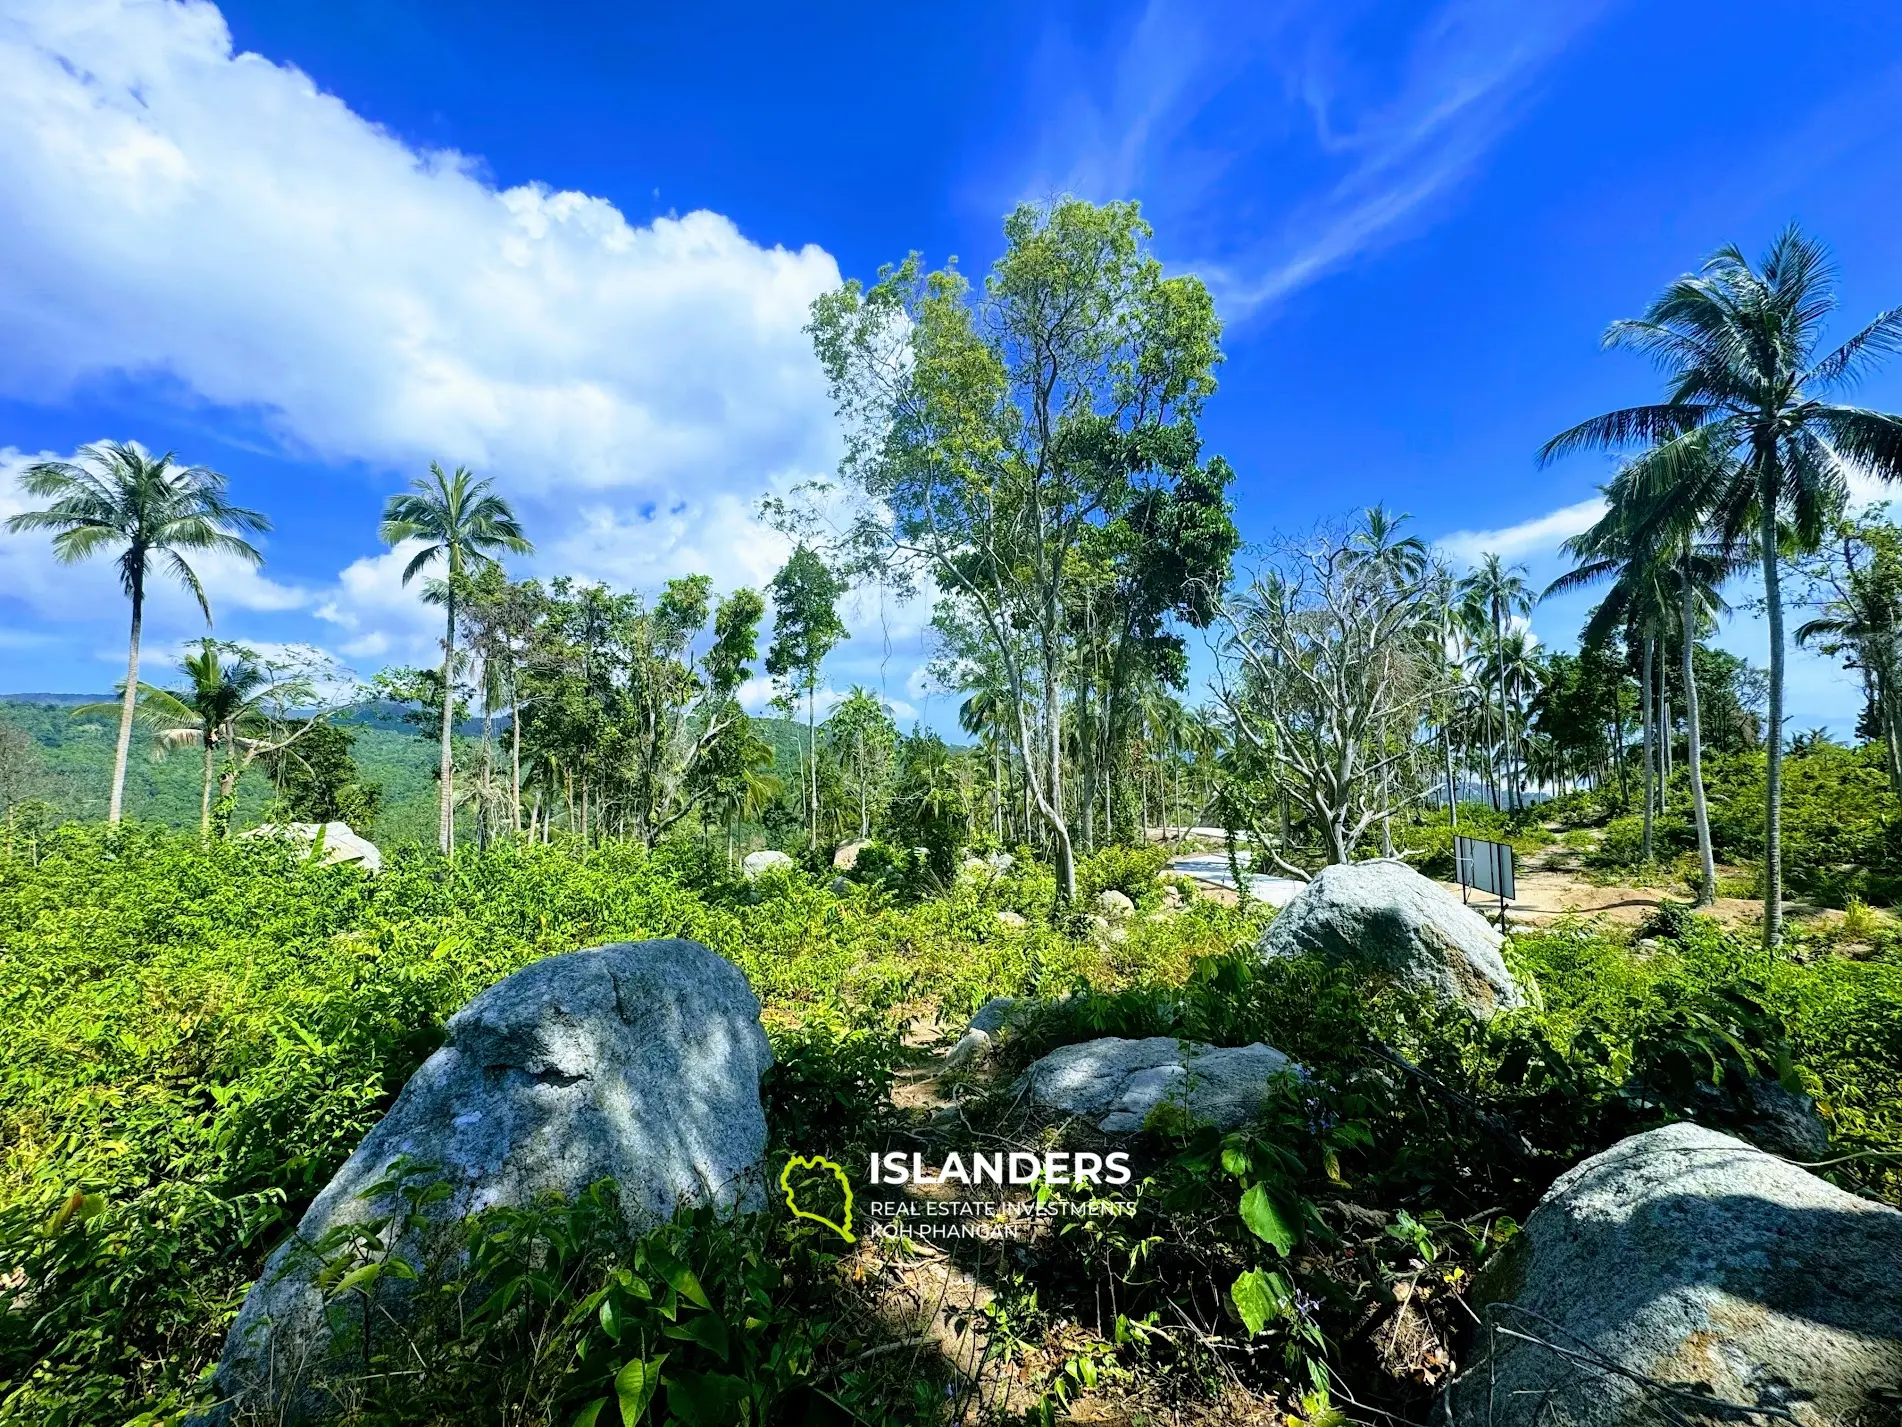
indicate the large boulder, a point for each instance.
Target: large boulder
{"x":757,"y":864}
{"x":1116,"y":1083}
{"x":638,"y":1062}
{"x":332,"y":843}
{"x":1387,"y":918}
{"x":1682,"y":1264}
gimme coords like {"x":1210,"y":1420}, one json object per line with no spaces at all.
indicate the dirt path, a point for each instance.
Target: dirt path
{"x":1552,"y":884}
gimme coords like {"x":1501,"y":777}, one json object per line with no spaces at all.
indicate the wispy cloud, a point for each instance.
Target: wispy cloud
{"x":1538,"y":536}
{"x":1286,"y":140}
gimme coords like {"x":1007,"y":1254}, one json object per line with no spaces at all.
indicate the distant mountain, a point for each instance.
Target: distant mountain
{"x":57,"y":701}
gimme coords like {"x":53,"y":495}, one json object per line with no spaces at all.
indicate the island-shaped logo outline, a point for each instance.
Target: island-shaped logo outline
{"x":799,"y":1161}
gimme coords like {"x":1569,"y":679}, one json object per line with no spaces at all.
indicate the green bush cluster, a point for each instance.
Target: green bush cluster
{"x":198,"y":1036}
{"x":1842,"y":824}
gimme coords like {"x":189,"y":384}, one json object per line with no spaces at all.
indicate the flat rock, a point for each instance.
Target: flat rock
{"x":1116,"y":1083}
{"x":1386,"y":918}
{"x":638,"y":1062}
{"x":1687,"y":1258}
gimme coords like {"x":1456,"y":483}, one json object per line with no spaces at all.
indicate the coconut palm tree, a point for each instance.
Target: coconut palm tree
{"x":1495,"y":592}
{"x":117,"y":496}
{"x":1666,"y":576}
{"x":463,"y":525}
{"x":1741,"y":351}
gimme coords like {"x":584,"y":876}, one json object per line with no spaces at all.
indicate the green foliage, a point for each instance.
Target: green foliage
{"x":198,"y":1036}
{"x":319,"y":781}
{"x":550,"y":1315}
{"x":1129,"y":870}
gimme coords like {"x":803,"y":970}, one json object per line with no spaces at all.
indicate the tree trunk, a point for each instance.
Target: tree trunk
{"x":515,"y":757}
{"x":1693,"y":753}
{"x":1505,"y":711}
{"x":1773,"y":771}
{"x":1650,"y":763}
{"x":115,"y":807}
{"x":206,"y":737}
{"x":488,"y":750}
{"x":1065,"y":856}
{"x":446,"y":795}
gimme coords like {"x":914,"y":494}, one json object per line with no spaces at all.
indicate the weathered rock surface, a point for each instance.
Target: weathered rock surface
{"x":973,"y":1045}
{"x":757,"y":864}
{"x":1116,"y":1083}
{"x":994,"y":1014}
{"x":639,"y":1062}
{"x":341,"y":846}
{"x":847,"y":857}
{"x":1011,"y":921}
{"x":1689,"y":1260}
{"x":1387,"y":918}
{"x":1114,"y":904}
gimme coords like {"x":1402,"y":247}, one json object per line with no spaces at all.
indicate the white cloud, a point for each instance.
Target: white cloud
{"x":1541,"y":535}
{"x":633,"y":389}
{"x":273,"y":249}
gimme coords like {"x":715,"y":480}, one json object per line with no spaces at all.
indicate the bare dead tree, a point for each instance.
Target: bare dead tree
{"x":1328,"y":664}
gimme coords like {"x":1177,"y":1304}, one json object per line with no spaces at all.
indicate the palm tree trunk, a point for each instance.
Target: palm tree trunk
{"x":204,"y":791}
{"x":445,"y":795}
{"x":1650,"y":764}
{"x":1773,"y":771}
{"x":1505,"y":713}
{"x":1693,"y":753}
{"x":115,"y":807}
{"x":515,"y":757}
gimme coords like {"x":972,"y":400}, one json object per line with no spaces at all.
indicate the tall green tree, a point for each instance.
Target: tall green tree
{"x":863,"y":739}
{"x":153,"y":511}
{"x":1494,"y":593}
{"x":992,"y":434}
{"x":463,"y":525}
{"x":806,"y":628}
{"x":1741,"y":349}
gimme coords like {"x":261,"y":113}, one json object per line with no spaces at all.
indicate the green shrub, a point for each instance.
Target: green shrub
{"x":1129,"y":870}
{"x":198,"y":1036}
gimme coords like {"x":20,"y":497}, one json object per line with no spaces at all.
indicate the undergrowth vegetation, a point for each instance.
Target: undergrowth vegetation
{"x":198,"y":1036}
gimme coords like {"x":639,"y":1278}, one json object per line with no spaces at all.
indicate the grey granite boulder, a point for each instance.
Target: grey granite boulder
{"x":757,"y":864}
{"x":639,"y":1062}
{"x":1681,"y":1264}
{"x":340,"y":846}
{"x":1388,"y":919}
{"x":997,"y":1013}
{"x":1116,"y":1083}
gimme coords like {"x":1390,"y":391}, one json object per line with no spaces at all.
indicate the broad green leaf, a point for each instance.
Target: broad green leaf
{"x":678,"y":1276}
{"x":706,"y":1329}
{"x":590,"y":1414}
{"x":635,"y":1385}
{"x":705,"y":1399}
{"x":1265,"y":1220}
{"x":1255,"y":1300}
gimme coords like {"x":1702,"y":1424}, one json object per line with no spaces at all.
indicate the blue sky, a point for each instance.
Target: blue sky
{"x":316,"y":245}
